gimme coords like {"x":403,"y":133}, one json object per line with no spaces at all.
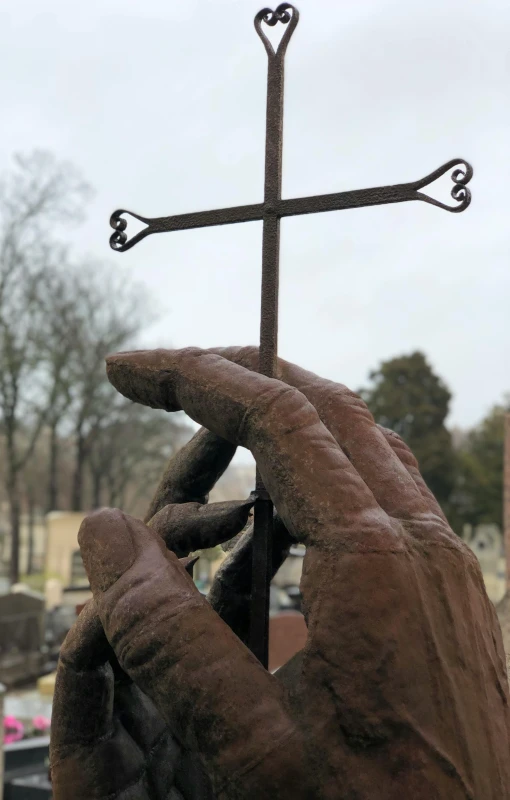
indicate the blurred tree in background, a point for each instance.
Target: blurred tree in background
{"x":36,"y":197}
{"x":408,"y":397}
{"x":67,"y":439}
{"x":466,"y":476}
{"x":479,"y":485}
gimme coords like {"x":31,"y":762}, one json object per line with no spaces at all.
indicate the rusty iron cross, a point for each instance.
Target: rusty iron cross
{"x":270,"y":211}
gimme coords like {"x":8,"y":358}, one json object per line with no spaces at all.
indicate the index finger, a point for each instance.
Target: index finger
{"x":317,"y":491}
{"x":395,"y":486}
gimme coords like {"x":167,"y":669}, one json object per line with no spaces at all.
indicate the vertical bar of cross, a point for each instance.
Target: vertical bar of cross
{"x":263,"y":510}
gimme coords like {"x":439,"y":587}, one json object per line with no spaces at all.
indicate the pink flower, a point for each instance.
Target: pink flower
{"x":41,"y":724}
{"x":13,"y":730}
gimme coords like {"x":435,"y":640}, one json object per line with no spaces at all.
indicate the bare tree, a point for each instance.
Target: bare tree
{"x":111,"y":312}
{"x":60,"y":340}
{"x":58,"y":321}
{"x":36,"y":196}
{"x":33,"y":495}
{"x":128,"y":451}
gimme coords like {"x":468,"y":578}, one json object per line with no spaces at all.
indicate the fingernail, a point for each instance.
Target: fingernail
{"x":106,"y":546}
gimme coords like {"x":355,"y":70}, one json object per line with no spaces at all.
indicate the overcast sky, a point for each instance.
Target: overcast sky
{"x":161,"y":104}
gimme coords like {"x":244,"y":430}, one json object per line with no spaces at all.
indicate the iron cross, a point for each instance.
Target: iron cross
{"x":271,"y":211}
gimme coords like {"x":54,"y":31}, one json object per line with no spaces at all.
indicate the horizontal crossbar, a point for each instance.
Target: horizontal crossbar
{"x":381,"y":195}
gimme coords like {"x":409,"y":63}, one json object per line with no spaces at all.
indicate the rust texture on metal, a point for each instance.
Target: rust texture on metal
{"x":270,"y":212}
{"x":338,"y":201}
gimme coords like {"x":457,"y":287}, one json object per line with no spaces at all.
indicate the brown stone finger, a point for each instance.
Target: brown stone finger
{"x":347,"y":417}
{"x":317,"y":491}
{"x":92,"y":754}
{"x":214,"y":694}
{"x":82,"y":712}
{"x":408,"y":459}
{"x":186,"y":527}
{"x":193,"y":471}
{"x":82,"y":672}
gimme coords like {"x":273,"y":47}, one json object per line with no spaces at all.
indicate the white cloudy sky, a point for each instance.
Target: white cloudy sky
{"x":161,"y":105}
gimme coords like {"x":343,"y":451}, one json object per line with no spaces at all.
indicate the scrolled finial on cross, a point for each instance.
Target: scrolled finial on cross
{"x":460,"y":191}
{"x":119,"y":238}
{"x":280,"y":14}
{"x":285,"y":13}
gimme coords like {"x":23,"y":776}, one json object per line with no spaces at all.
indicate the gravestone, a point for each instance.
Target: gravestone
{"x":22,"y":636}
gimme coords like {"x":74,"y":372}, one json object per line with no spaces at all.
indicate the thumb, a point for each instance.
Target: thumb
{"x":214,"y":694}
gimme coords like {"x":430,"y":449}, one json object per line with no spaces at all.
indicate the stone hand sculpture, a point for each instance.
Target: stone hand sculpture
{"x":401,"y":690}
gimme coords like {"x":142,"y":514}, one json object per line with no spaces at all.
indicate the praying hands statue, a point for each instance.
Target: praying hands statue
{"x":401,"y":690}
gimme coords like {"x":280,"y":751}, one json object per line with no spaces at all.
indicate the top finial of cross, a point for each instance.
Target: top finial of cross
{"x":281,"y":14}
{"x":285,"y":13}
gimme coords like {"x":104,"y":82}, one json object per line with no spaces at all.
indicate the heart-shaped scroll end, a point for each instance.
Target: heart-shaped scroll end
{"x":460,"y":192}
{"x":119,"y":240}
{"x":285,"y":13}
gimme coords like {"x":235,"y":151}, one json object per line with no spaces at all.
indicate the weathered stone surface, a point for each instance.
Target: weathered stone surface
{"x":401,"y":689}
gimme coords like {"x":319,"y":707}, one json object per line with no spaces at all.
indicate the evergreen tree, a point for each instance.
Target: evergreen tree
{"x":408,"y":397}
{"x":479,"y":492}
